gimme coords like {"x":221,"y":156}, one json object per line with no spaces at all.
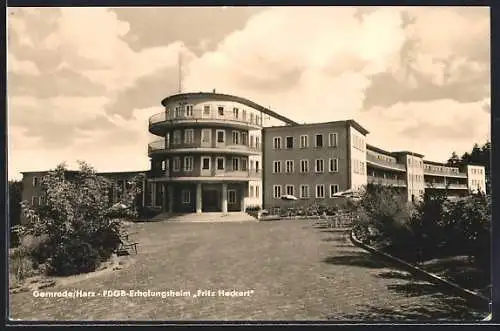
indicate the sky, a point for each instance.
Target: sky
{"x":82,"y":82}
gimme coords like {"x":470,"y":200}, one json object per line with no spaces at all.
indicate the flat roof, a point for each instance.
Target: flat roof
{"x":227,"y":97}
{"x":352,"y":123}
{"x":409,"y":152}
{"x":379,"y":150}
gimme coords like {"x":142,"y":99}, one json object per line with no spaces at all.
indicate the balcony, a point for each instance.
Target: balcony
{"x":206,"y":175}
{"x":160,"y":147}
{"x":443,"y":186}
{"x":373,"y":161}
{"x":446,"y":172}
{"x":386,"y":181}
{"x":158,"y":123}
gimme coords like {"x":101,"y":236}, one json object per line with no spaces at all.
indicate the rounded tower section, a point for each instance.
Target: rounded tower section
{"x":207,"y":157}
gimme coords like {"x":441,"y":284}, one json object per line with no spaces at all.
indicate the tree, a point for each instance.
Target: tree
{"x":454,"y":160}
{"x":77,"y":220}
{"x":15,"y":198}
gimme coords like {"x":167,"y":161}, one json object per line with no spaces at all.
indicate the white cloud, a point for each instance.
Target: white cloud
{"x":59,"y":110}
{"x":23,"y":67}
{"x":309,"y":63}
{"x":432,"y":128}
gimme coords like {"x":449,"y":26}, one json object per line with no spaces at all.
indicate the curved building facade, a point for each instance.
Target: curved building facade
{"x":207,"y":157}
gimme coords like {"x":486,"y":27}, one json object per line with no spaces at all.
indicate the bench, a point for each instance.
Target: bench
{"x":125,"y":245}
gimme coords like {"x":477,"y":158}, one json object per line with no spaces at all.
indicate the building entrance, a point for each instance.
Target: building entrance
{"x":211,"y":201}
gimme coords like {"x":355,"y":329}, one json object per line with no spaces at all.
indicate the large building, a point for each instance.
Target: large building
{"x":214,"y":153}
{"x":315,"y":162}
{"x":208,"y":154}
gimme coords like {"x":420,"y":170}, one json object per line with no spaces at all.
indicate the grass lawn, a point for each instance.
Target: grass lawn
{"x":297,"y":271}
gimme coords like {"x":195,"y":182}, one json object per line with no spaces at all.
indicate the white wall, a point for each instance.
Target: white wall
{"x":358,"y":159}
{"x":414,"y":176}
{"x":199,"y":103}
{"x":476,"y":178}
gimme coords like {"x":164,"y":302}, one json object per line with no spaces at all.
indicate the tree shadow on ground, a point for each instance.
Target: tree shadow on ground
{"x":437,"y":307}
{"x":338,"y":231}
{"x":355,"y":259}
{"x":393,"y":274}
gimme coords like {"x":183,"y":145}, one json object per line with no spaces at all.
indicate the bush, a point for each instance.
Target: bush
{"x":387,"y":212}
{"x":73,"y":257}
{"x":435,"y":227}
{"x":252,"y":209}
{"x":20,"y":264}
{"x":76,"y":222}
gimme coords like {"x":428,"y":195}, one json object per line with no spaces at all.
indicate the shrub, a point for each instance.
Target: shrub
{"x":250,"y":209}
{"x":72,"y":257}
{"x":76,"y":221}
{"x":20,"y":264}
{"x":386,"y":211}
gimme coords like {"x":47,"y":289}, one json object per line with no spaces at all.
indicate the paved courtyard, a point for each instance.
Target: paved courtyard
{"x":296,"y":271}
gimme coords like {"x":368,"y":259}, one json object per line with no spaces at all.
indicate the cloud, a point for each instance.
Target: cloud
{"x":434,"y":129}
{"x":23,"y":67}
{"x":393,"y":69}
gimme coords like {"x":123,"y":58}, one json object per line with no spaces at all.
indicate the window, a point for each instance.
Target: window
{"x":176,"y":164}
{"x":277,"y":143}
{"x":289,"y":166}
{"x":334,"y":165}
{"x":251,"y":191}
{"x":252,"y":141}
{"x":236,"y":164}
{"x":244,"y":164}
{"x":304,"y":191}
{"x":221,"y":163}
{"x":304,"y":166}
{"x":257,"y":191}
{"x":257,"y":166}
{"x":220,"y":109}
{"x":244,"y":138}
{"x":163,"y":165}
{"x":236,"y":137}
{"x":231,"y":197}
{"x":34,"y":201}
{"x":251,"y":117}
{"x":221,"y":136}
{"x":289,"y":189}
{"x":235,"y":112}
{"x":304,"y":141}
{"x":276,"y":167}
{"x":177,"y":110}
{"x":320,"y":165}
{"x":186,"y":197}
{"x":188,"y":163}
{"x":319,"y":140}
{"x":206,"y":136}
{"x":252,"y":165}
{"x":277,"y":191}
{"x":334,"y":188}
{"x":177,"y":137}
{"x":205,"y":163}
{"x":332,"y":139}
{"x":188,"y":136}
{"x":206,"y":110}
{"x":189,"y":110}
{"x":289,"y":142}
{"x":320,"y":191}
{"x":257,"y":142}
{"x":35,"y":181}
{"x":244,"y":115}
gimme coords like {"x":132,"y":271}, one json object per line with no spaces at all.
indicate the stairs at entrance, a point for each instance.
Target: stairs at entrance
{"x":205,"y":217}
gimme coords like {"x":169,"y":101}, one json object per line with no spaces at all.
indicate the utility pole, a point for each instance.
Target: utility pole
{"x":179,"y":65}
